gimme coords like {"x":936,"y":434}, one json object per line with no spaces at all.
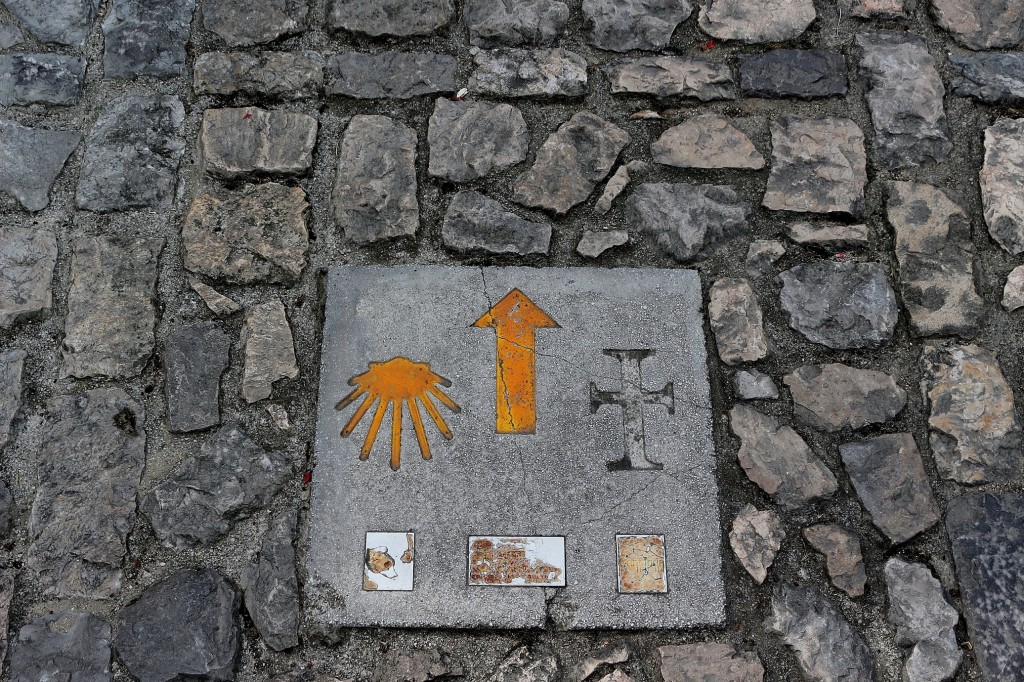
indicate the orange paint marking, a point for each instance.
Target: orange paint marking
{"x":516,"y":319}
{"x":396,"y":383}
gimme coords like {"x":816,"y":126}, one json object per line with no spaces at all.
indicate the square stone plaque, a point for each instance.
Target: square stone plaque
{"x":533,"y":403}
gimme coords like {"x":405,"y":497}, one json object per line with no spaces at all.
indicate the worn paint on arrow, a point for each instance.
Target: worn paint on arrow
{"x":516,"y":319}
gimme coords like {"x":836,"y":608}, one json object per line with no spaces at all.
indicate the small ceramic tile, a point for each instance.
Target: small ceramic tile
{"x":389,"y":561}
{"x":641,"y":564}
{"x":517,"y":561}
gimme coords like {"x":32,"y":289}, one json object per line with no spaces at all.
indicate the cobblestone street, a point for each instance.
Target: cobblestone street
{"x":181,"y":181}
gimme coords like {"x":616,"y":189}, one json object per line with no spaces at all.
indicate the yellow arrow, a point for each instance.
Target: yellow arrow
{"x":516,"y":319}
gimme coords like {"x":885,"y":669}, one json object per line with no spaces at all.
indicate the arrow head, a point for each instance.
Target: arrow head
{"x":518,"y":311}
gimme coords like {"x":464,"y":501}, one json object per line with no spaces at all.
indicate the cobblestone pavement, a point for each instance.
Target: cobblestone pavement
{"x":176,"y":177}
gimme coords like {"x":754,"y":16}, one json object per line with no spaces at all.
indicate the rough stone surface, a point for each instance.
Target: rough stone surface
{"x":617,"y":184}
{"x":827,"y":647}
{"x":415,"y":665}
{"x":495,"y":23}
{"x":830,"y":235}
{"x":397,"y":75}
{"x":144,"y":38}
{"x":768,"y":21}
{"x":241,"y":142}
{"x":40,"y":79}
{"x":219,"y":304}
{"x":256,"y":235}
{"x":1013,"y":290}
{"x":982,"y":24}
{"x":617,"y":651}
{"x":12,"y":363}
{"x":936,"y":256}
{"x":290,"y":75}
{"x":778,"y":460}
{"x":84,"y":505}
{"x":10,"y":35}
{"x":984,"y":530}
{"x":570,"y":163}
{"x":627,"y":25}
{"x":185,"y":627}
{"x":471,"y":140}
{"x":375,"y":186}
{"x":6,"y":597}
{"x":905,"y":99}
{"x":269,"y":350}
{"x":227,"y":479}
{"x":818,"y":166}
{"x":701,"y":79}
{"x":840,"y":305}
{"x":924,"y":620}
{"x":132,"y":155}
{"x":875,"y":8}
{"x":512,"y":72}
{"x":592,"y":244}
{"x":975,"y":435}
{"x":27,"y":260}
{"x":400,"y":18}
{"x":835,"y":396}
{"x":62,"y":646}
{"x":737,"y":321}
{"x":194,"y":357}
{"x":706,"y":141}
{"x":253,"y":22}
{"x":475,"y":223}
{"x":109,"y":329}
{"x":66,"y":22}
{"x":889,"y":477}
{"x":843,"y":556}
{"x":30,"y":161}
{"x":754,"y":385}
{"x":762,"y":254}
{"x":990,"y":77}
{"x":687,"y":221}
{"x":709,"y":662}
{"x":1000,"y":177}
{"x":522,"y":666}
{"x":272,"y":586}
{"x":755,"y":538}
{"x":8,"y":516}
{"x":805,"y":74}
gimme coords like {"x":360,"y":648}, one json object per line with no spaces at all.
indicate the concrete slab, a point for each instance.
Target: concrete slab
{"x":613,"y":438}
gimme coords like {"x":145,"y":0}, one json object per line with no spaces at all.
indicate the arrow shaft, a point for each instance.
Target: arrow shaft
{"x":516,"y":387}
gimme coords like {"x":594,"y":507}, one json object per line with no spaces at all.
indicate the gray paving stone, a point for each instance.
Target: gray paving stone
{"x":835,"y":396}
{"x":66,"y":22}
{"x":30,"y":161}
{"x":975,"y":435}
{"x":923,"y":620}
{"x":805,"y":74}
{"x":12,"y":363}
{"x":706,"y":141}
{"x":709,"y":662}
{"x":497,"y":23}
{"x":818,"y":166}
{"x":109,"y":327}
{"x":144,"y":38}
{"x":375,"y":187}
{"x":76,"y":549}
{"x":1001,"y":174}
{"x":254,"y":22}
{"x":184,"y":627}
{"x":10,"y":35}
{"x":229,"y":478}
{"x":751,"y":384}
{"x":843,"y":556}
{"x":475,"y":223}
{"x":503,"y":493}
{"x":272,"y":586}
{"x":470,"y":140}
{"x":830,"y":235}
{"x":401,"y":18}
{"x":513,"y":72}
{"x":256,"y":235}
{"x":905,"y":99}
{"x":840,"y":304}
{"x":736,"y":321}
{"x":132,"y":155}
{"x":237,"y":143}
{"x":290,"y":75}
{"x":593,"y":243}
{"x":989,"y":77}
{"x":869,"y":9}
{"x":981,"y":24}
{"x":27,"y":260}
{"x":269,"y":350}
{"x":770,"y":21}
{"x":399,"y":75}
{"x":1013,"y":290}
{"x":827,"y":647}
{"x":687,"y":221}
{"x":755,"y":538}
{"x":778,"y":460}
{"x":570,"y":163}
{"x":218,"y":303}
{"x":633,"y":24}
{"x":888,"y":475}
{"x":40,"y":79}
{"x":62,"y":646}
{"x":984,"y":530}
{"x":194,"y":358}
{"x":701,"y":79}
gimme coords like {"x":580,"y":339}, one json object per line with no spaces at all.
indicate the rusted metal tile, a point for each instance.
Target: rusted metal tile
{"x":517,"y":561}
{"x":389,"y":561}
{"x":641,"y":564}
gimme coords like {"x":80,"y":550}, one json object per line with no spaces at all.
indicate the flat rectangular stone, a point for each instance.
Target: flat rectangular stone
{"x":562,"y":470}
